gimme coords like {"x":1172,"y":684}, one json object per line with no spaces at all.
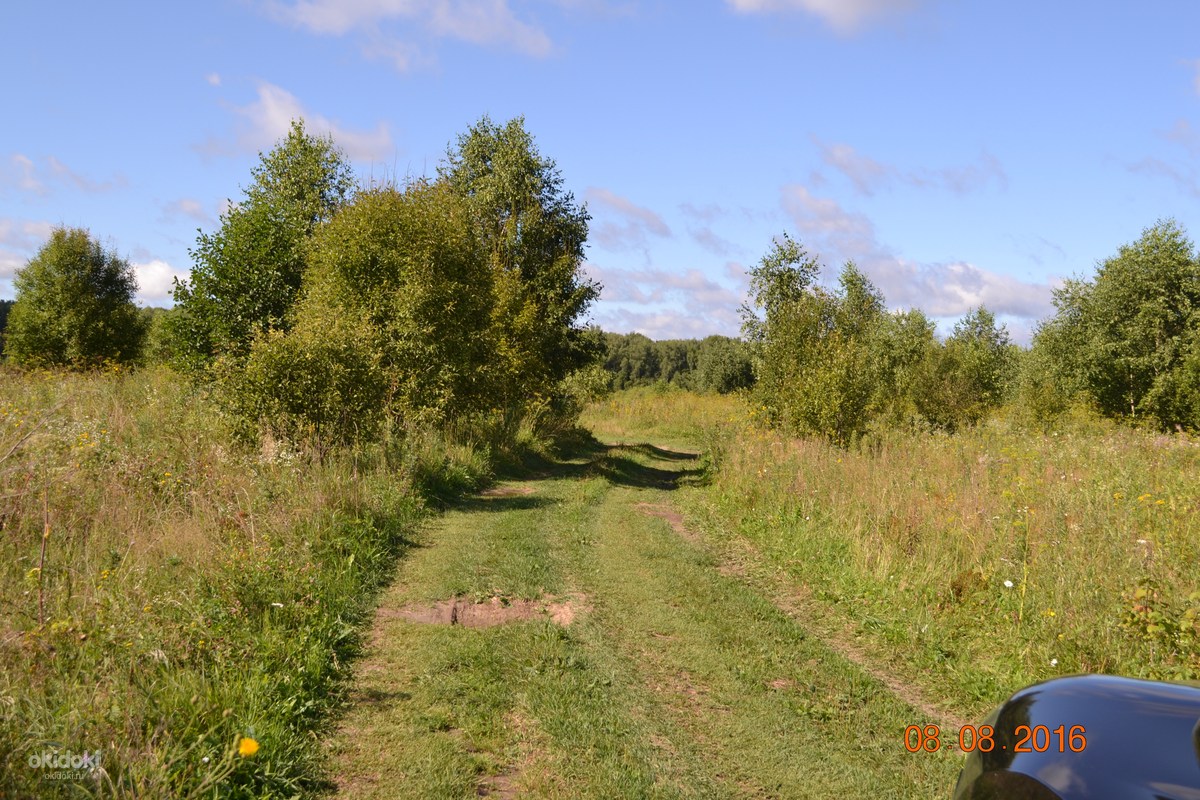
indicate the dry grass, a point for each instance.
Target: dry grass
{"x":985,"y":560}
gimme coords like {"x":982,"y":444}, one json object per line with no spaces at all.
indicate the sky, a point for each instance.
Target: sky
{"x":960,"y":153}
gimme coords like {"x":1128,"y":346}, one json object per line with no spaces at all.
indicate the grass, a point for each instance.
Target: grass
{"x":972,"y":564}
{"x":676,"y":681}
{"x":166,"y":596}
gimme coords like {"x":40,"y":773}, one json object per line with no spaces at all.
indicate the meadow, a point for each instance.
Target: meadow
{"x":970,"y":564}
{"x":192,"y":608}
{"x":183,"y":604}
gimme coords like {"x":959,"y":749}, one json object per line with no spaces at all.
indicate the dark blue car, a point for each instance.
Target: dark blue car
{"x":1097,"y":737}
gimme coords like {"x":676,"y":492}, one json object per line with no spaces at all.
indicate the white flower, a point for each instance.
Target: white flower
{"x":1054,"y":662}
{"x":1008,"y":584}
{"x":277,"y":605}
{"x":204,"y":760}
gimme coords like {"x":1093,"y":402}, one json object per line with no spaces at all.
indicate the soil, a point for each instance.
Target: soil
{"x":486,"y":614}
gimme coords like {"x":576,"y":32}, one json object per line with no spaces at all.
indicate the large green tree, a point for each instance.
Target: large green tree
{"x":247,"y":274}
{"x":533,"y":234}
{"x":1123,"y":337}
{"x":74,"y":305}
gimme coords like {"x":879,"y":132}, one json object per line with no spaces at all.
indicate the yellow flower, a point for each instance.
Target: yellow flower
{"x":1144,"y":497}
{"x":247,"y":747}
{"x":1160,"y":502}
{"x":1118,"y":495}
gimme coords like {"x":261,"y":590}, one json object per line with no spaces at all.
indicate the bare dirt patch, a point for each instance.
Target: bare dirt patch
{"x":489,"y":613}
{"x":673,"y":518}
{"x":507,"y":491}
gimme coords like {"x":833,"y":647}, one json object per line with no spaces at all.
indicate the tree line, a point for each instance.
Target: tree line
{"x":1124,"y":343}
{"x":323,"y":307}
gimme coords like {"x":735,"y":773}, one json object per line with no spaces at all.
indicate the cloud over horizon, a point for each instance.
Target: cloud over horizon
{"x":259,"y":125}
{"x":869,"y":175}
{"x":844,"y":16}
{"x":385,"y":28}
{"x":941,"y":289}
{"x":665,"y":304}
{"x":625,"y":225}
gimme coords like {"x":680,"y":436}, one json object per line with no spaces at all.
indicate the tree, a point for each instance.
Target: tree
{"x":247,"y":275}
{"x":1123,"y":337}
{"x":533,"y":234}
{"x":74,"y":305}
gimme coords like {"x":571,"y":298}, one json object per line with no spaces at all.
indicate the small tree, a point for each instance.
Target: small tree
{"x":533,"y":234}
{"x":1123,"y":336}
{"x":74,"y":305}
{"x":247,"y":274}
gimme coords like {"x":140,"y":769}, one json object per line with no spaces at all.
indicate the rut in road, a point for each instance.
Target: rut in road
{"x":669,"y":677}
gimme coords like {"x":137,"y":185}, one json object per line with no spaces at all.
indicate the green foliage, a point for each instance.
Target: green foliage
{"x":409,"y":265}
{"x":722,"y":365}
{"x":838,"y":365}
{"x":74,"y":305}
{"x":1126,"y":337}
{"x":247,"y":274}
{"x":5,"y":307}
{"x":321,"y":385}
{"x":533,"y":235}
{"x":971,"y":374}
{"x":394,"y":323}
{"x":713,"y":364}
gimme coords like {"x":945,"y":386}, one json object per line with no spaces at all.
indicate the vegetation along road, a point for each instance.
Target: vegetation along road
{"x":571,"y":635}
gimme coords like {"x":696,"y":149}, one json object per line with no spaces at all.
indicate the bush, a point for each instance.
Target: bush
{"x":74,"y":306}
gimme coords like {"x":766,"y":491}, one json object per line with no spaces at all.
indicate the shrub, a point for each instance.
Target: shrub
{"x":74,"y":305}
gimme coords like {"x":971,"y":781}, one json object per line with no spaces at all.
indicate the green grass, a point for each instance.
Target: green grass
{"x":189,"y":593}
{"x":677,"y":681}
{"x":912,"y":543}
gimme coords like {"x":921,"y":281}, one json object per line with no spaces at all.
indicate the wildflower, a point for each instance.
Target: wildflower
{"x":204,"y":760}
{"x":1160,"y":502}
{"x":247,"y":747}
{"x":277,"y":605}
{"x":1144,"y":497}
{"x":1118,"y":495}
{"x":1054,"y":662}
{"x":1008,"y":584}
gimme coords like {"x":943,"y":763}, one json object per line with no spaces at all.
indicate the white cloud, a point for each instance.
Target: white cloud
{"x":665,"y":304}
{"x":186,"y":207}
{"x":1183,"y":134}
{"x":945,"y":289}
{"x":868,"y":175}
{"x":265,"y":121}
{"x":80,"y":181}
{"x":482,"y":22}
{"x":844,"y":16}
{"x":1185,"y":179}
{"x":633,"y":225}
{"x":156,"y":281}
{"x":19,"y":240}
{"x":26,"y":174}
{"x":712,"y":242}
{"x":213,"y":78}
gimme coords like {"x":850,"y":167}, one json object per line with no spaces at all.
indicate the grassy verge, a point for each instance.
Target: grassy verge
{"x":174,"y":602}
{"x":673,"y":681}
{"x":974,"y":563}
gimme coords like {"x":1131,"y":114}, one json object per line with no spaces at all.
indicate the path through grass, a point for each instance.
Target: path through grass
{"x":660,"y":674}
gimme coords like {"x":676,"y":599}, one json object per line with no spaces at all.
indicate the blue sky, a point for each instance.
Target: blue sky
{"x":960,"y":153}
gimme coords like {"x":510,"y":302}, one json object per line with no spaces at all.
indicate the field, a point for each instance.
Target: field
{"x":691,"y":605}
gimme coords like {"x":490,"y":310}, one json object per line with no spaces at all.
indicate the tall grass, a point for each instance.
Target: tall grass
{"x":166,"y":596}
{"x":984,"y":560}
